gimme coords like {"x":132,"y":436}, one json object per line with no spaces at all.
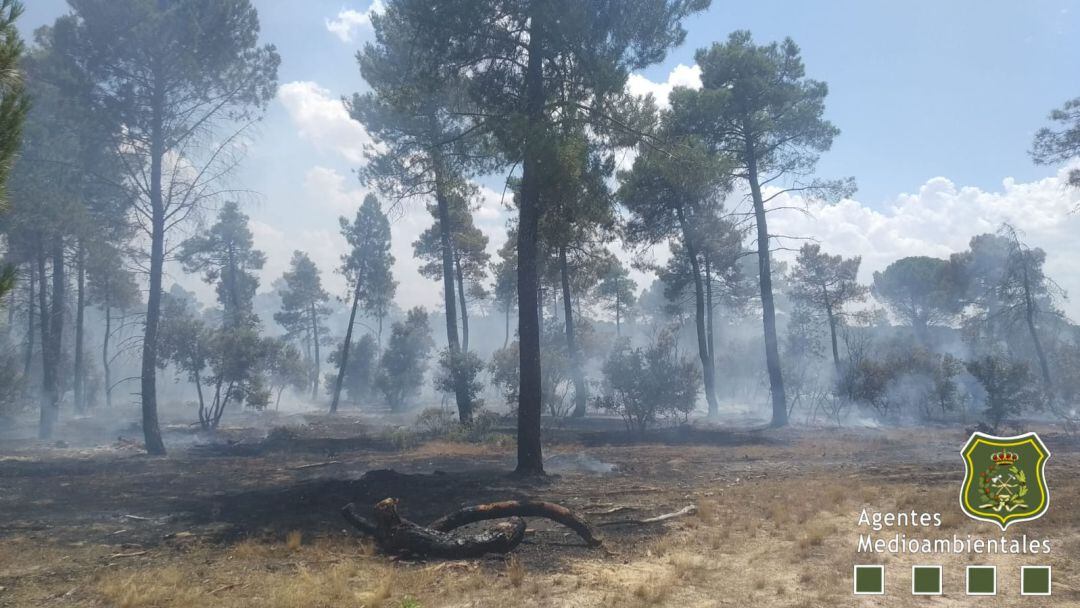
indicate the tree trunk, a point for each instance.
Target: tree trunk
{"x":832,"y":332}
{"x":530,"y":460}
{"x":461,"y":393}
{"x":151,"y":428}
{"x":707,"y":370}
{"x":463,"y":303}
{"x":80,"y":312}
{"x":105,"y":367}
{"x":710,"y":329}
{"x":768,"y":307}
{"x":345,"y":351}
{"x":315,"y":341}
{"x":48,"y":359}
{"x":581,"y":389}
{"x":28,"y":356}
{"x":506,"y":330}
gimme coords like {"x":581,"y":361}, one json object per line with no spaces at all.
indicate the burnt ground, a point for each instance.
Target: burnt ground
{"x":105,"y":525}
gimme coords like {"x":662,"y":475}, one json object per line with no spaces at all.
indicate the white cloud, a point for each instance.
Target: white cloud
{"x":346,"y":23}
{"x":327,"y":188}
{"x":323,"y":120}
{"x":940,"y":219}
{"x":680,"y":76}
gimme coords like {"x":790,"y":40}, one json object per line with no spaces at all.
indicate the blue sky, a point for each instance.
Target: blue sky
{"x":920,"y":89}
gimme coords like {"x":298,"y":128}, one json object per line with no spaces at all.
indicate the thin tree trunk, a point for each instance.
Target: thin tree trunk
{"x":105,"y":367}
{"x":315,"y":342}
{"x":28,"y":356}
{"x":506,"y":333}
{"x":345,"y":351}
{"x":768,"y":306}
{"x":832,"y":331}
{"x":530,"y":460}
{"x":464,"y":306}
{"x":707,"y":371}
{"x":48,"y":367}
{"x":581,"y":389}
{"x":710,"y":328}
{"x":148,"y":383}
{"x":80,"y":312}
{"x":198,"y":390}
{"x":56,"y":327}
{"x":461,"y":394}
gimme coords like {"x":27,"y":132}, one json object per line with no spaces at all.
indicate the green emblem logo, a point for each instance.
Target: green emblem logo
{"x":1004,"y":480}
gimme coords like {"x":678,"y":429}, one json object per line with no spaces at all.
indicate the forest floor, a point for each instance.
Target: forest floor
{"x":242,"y":521}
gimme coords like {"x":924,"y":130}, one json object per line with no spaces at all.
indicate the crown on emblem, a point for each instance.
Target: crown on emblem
{"x":1005,"y":459}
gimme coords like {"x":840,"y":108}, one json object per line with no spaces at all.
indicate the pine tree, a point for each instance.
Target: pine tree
{"x":367,"y":270}
{"x":827,"y":283}
{"x":13,"y":107}
{"x":758,"y":109}
{"x":187,"y":70}
{"x":303,"y":309}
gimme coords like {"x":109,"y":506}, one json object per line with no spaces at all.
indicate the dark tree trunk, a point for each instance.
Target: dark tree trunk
{"x":461,"y":394}
{"x":58,"y":307}
{"x":148,"y":385}
{"x":463,"y":303}
{"x":707,"y":371}
{"x":768,"y":306}
{"x":581,"y":389}
{"x":530,"y":460}
{"x":832,"y":331}
{"x":345,"y":350}
{"x":80,"y":312}
{"x":315,"y":342}
{"x":28,"y":356}
{"x":48,"y":362}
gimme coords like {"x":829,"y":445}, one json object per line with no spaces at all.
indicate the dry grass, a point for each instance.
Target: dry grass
{"x":293,"y":540}
{"x":776,"y":541}
{"x":515,"y":571}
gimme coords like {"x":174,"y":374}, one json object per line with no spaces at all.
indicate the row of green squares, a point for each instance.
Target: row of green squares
{"x":926,"y":580}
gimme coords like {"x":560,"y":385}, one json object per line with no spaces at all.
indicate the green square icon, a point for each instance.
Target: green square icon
{"x":1035,"y":580}
{"x":982,"y":580}
{"x":869,"y":580}
{"x":926,"y":580}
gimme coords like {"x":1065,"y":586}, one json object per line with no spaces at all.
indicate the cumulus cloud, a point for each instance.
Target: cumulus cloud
{"x":348,"y":21}
{"x":680,"y":76}
{"x":940,"y":219}
{"x":323,"y":120}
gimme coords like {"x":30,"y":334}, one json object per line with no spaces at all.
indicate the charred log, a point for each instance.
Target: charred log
{"x":396,"y":535}
{"x":519,"y":508}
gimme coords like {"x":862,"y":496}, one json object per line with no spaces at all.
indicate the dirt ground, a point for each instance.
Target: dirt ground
{"x":241,"y":521}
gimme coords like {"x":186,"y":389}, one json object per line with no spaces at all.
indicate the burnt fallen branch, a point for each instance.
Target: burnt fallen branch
{"x":519,"y":508}
{"x":399,"y":536}
{"x":687,"y":510}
